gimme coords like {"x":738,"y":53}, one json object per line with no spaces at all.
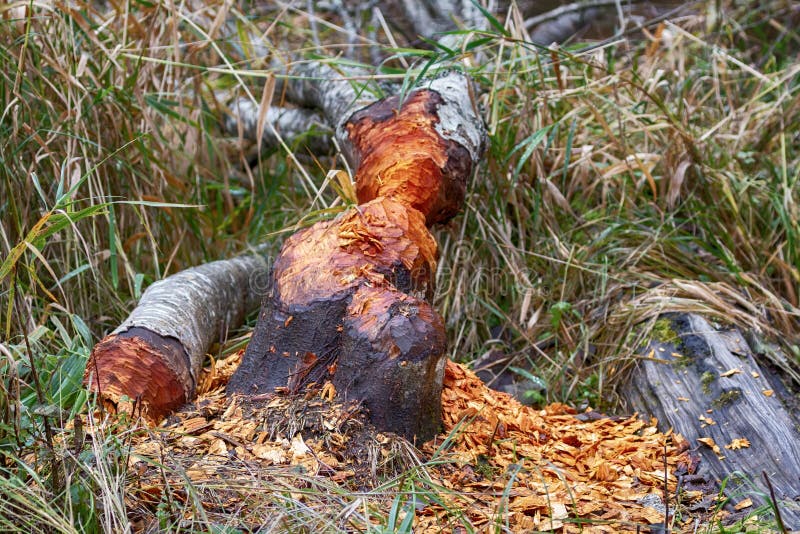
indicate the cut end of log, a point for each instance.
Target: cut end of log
{"x":403,"y":156}
{"x":140,"y":372}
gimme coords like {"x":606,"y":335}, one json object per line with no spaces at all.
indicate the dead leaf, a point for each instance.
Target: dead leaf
{"x":741,"y":505}
{"x":328,"y":392}
{"x":555,"y":522}
{"x":218,"y":447}
{"x":339,"y":476}
{"x":198,"y":472}
{"x":302,"y":454}
{"x":651,"y":515}
{"x":707,"y":421}
{"x":275,"y":454}
{"x":195,"y":425}
{"x":605,"y":473}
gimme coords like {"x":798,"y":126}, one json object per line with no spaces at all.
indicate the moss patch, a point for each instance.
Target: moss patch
{"x":663,"y":332}
{"x":726,"y":397}
{"x":706,"y":379}
{"x":681,"y":361}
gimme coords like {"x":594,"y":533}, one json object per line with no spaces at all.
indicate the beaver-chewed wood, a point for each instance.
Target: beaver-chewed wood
{"x":708,"y":382}
{"x":350,"y":299}
{"x":152,"y":361}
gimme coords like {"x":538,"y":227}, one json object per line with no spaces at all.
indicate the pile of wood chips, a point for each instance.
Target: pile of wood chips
{"x":498,"y":463}
{"x":554,"y":470}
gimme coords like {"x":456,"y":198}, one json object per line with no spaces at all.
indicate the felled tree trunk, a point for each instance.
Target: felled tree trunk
{"x":154,"y":358}
{"x":350,"y":300}
{"x":709,"y":385}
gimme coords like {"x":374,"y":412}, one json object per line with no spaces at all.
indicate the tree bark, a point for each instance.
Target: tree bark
{"x":154,"y":358}
{"x":706,"y":382}
{"x":350,"y":300}
{"x":290,"y":123}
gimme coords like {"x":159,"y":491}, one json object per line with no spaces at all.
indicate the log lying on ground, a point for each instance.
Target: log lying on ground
{"x":289,"y":123}
{"x":597,"y":18}
{"x":154,"y":358}
{"x":350,"y":300}
{"x":705,"y":383}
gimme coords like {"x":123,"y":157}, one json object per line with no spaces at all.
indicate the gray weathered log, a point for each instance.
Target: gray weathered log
{"x":331,"y":91}
{"x":431,"y":18}
{"x":713,"y":373}
{"x":601,"y":17}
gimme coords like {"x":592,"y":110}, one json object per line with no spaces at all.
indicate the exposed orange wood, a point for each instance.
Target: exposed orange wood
{"x":140,"y":372}
{"x":404,"y":157}
{"x":373,"y":244}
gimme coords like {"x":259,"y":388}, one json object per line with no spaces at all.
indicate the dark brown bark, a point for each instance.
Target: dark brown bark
{"x":710,"y":383}
{"x":350,"y":300}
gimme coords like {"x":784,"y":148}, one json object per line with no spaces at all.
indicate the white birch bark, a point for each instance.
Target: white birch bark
{"x":289,"y":123}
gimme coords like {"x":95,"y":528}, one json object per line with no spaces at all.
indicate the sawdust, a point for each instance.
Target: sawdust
{"x":497,"y":463}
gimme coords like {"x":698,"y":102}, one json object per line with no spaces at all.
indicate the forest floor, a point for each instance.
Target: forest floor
{"x":625,"y":176}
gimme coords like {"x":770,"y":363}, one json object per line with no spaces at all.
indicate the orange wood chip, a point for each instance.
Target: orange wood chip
{"x":547,"y":469}
{"x":549,"y":459}
{"x":738,"y":443}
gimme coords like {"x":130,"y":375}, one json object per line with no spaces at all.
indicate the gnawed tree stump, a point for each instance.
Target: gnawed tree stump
{"x":707,"y":382}
{"x":350,"y":301}
{"x":154,"y":357}
{"x":351,"y":297}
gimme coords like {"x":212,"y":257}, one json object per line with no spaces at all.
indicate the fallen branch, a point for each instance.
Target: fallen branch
{"x":560,"y":24}
{"x":154,"y":358}
{"x":568,"y":11}
{"x":289,"y":123}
